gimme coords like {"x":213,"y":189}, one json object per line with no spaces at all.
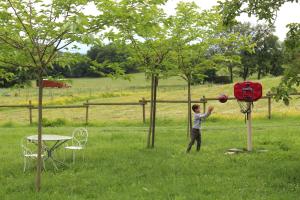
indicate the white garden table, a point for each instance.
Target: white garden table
{"x":56,"y":140}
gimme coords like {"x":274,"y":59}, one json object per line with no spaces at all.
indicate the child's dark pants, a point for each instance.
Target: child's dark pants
{"x":195,"y":136}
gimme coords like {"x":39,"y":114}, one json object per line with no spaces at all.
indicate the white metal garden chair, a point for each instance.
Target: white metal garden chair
{"x":79,"y":140}
{"x":29,"y":154}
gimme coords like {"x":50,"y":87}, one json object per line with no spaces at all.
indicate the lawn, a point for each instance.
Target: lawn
{"x":118,"y":166}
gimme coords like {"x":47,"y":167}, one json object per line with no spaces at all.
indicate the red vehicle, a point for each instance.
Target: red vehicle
{"x":54,"y":84}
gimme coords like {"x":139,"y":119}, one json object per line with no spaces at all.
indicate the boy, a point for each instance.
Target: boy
{"x":196,"y":134}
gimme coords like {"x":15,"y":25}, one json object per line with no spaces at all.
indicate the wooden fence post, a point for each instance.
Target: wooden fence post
{"x":269,"y":95}
{"x":87,"y":112}
{"x":204,"y":104}
{"x":30,"y":112}
{"x":143,"y":102}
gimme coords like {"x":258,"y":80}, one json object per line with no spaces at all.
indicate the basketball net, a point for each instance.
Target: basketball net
{"x":246,"y":108}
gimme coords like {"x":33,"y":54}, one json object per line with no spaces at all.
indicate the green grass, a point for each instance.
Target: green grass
{"x":118,"y":166}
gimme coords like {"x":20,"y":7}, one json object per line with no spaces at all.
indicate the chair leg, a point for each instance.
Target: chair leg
{"x":73,"y":157}
{"x":44,"y":166}
{"x":64,"y":154}
{"x":24,"y":168}
{"x":83,"y":153}
{"x":54,"y":165}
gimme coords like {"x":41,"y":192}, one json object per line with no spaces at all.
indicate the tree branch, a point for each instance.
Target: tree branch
{"x":13,"y":43}
{"x":68,"y":43}
{"x":59,"y":36}
{"x":25,"y":29}
{"x":14,"y":64}
{"x":20,"y":20}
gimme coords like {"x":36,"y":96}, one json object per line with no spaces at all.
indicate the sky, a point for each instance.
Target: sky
{"x":288,"y":13}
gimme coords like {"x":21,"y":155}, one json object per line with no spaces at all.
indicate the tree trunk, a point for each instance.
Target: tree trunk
{"x":40,"y":116}
{"x":231,"y":73}
{"x":246,"y":71}
{"x":189,"y":127}
{"x":259,"y":73}
{"x":151,"y":112}
{"x":154,"y":110}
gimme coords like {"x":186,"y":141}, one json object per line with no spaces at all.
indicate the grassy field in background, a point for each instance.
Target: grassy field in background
{"x":118,"y":166}
{"x":108,"y":90}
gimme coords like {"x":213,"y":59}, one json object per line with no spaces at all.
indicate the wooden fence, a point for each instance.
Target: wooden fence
{"x":143,"y":102}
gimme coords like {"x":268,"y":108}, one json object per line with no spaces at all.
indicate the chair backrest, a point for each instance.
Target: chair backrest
{"x":80,"y":137}
{"x":24,"y":147}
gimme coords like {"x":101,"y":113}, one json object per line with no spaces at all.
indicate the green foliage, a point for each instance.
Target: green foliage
{"x":112,"y":58}
{"x":33,"y":32}
{"x":100,"y":61}
{"x":140,"y":26}
{"x":80,"y":67}
{"x":267,"y":9}
{"x":199,"y":41}
{"x":263,"y":9}
{"x":108,"y":60}
{"x":190,"y":40}
{"x":267,"y":56}
{"x":14,"y":76}
{"x":54,"y":123}
{"x":291,"y":78}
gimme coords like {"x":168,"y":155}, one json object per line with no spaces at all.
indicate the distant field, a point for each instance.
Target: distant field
{"x":108,"y":90}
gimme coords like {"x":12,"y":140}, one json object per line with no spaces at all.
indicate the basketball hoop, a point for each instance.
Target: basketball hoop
{"x":245,"y":106}
{"x":246,"y":93}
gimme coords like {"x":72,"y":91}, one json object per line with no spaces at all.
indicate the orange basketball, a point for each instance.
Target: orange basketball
{"x":223,"y":98}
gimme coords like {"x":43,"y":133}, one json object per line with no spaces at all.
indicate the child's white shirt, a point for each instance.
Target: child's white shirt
{"x":198,"y":118}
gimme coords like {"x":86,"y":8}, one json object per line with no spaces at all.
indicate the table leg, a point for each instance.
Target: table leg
{"x":50,"y":154}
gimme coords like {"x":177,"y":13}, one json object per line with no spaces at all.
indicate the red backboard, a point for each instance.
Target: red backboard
{"x":248,"y":91}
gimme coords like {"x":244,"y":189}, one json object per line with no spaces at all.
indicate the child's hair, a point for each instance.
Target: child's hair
{"x":195,"y":107}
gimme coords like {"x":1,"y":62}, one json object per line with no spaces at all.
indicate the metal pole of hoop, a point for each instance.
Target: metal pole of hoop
{"x":246,"y":108}
{"x":249,"y":127}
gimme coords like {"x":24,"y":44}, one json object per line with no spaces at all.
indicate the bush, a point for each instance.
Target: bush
{"x":53,"y":123}
{"x":221,"y":79}
{"x":210,"y":76}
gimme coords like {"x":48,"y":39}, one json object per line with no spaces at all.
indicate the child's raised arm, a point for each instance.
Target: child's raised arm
{"x":210,"y":109}
{"x":205,"y":115}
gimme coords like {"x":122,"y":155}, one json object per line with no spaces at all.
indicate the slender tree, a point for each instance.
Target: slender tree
{"x":190,"y":32}
{"x":195,"y":35}
{"x":33,"y":32}
{"x":141,"y":25}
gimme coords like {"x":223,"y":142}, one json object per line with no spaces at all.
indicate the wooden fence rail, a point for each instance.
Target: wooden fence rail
{"x":143,"y":102}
